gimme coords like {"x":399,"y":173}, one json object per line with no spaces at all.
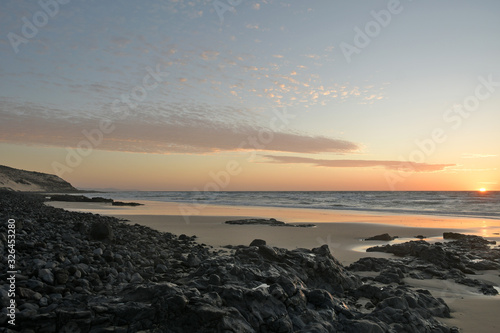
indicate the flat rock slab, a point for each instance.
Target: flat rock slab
{"x":270,"y":222}
{"x":383,"y":237}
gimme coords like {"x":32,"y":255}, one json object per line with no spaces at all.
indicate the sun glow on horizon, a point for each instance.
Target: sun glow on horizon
{"x":482,"y":189}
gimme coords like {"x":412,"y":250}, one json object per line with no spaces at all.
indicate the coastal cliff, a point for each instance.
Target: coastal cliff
{"x":12,"y":179}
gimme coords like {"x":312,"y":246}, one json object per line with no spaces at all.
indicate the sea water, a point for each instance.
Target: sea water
{"x":456,"y":203}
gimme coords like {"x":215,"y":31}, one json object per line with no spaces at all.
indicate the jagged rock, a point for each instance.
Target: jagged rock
{"x":451,"y":260}
{"x":382,"y":237}
{"x":136,"y":278}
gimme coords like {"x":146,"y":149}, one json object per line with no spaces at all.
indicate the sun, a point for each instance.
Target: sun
{"x":482,"y":189}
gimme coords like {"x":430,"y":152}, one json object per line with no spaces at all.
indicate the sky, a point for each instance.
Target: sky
{"x":210,"y":95}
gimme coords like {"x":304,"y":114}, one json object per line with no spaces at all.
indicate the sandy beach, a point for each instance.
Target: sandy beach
{"x":343,"y":231}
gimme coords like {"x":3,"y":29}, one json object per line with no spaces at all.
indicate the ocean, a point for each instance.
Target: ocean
{"x":447,"y":203}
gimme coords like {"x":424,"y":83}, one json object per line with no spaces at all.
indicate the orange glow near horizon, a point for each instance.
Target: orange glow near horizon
{"x":191,"y":172}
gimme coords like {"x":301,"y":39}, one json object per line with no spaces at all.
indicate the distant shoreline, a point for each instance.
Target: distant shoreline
{"x":336,"y":201}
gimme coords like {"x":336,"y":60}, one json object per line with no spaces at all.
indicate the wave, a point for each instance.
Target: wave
{"x":469,"y":204}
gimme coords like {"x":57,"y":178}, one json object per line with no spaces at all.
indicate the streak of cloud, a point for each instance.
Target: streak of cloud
{"x":163,"y":132}
{"x":390,"y":165}
{"x":466,"y":155}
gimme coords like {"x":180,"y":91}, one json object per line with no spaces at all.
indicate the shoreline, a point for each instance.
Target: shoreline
{"x":90,"y":267}
{"x":343,"y":231}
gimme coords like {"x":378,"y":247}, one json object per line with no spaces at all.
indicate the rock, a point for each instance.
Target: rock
{"x":390,"y":275}
{"x":136,"y":278}
{"x":382,"y":237}
{"x":43,"y":301}
{"x":320,"y":298}
{"x":193,"y":260}
{"x":98,"y":252}
{"x":258,"y":242}
{"x":453,"y":235}
{"x":214,"y":280}
{"x":268,"y":252}
{"x":46,"y":275}
{"x":101,"y":231}
{"x":488,"y":289}
{"x":29,"y":294}
{"x":120,"y":203}
{"x":62,"y":276}
{"x":271,"y":222}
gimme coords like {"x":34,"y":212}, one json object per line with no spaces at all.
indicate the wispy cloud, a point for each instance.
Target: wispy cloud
{"x":252,"y":26}
{"x":155,"y":130}
{"x":209,"y":55}
{"x":467,"y":155}
{"x":391,"y":165}
{"x":460,"y":169}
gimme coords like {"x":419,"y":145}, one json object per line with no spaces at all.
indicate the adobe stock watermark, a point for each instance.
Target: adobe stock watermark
{"x":11,"y":271}
{"x":372,"y":29}
{"x":221,"y":179}
{"x":328,"y":241}
{"x":454,"y":118}
{"x":225,"y":5}
{"x":30,"y":28}
{"x":121,"y":108}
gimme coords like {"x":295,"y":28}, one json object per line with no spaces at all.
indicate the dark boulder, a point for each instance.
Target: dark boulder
{"x":258,"y":242}
{"x":101,"y":230}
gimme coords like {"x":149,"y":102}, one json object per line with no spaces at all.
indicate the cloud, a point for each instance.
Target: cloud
{"x":466,"y":155}
{"x":209,"y":55}
{"x":180,"y":129}
{"x":473,"y":170}
{"x":252,"y":26}
{"x":390,"y":165}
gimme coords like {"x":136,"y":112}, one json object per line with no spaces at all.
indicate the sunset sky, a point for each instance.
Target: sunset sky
{"x":253,"y":95}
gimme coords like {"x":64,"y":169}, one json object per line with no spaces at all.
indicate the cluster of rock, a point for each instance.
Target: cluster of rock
{"x":270,"y":222}
{"x":82,"y":198}
{"x":465,"y":255}
{"x":81,"y":272}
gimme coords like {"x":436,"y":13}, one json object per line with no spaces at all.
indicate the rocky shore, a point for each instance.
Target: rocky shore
{"x":82,"y":198}
{"x":80,"y":272}
{"x":457,"y":260}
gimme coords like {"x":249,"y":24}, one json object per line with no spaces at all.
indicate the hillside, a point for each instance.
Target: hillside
{"x":30,"y":181}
